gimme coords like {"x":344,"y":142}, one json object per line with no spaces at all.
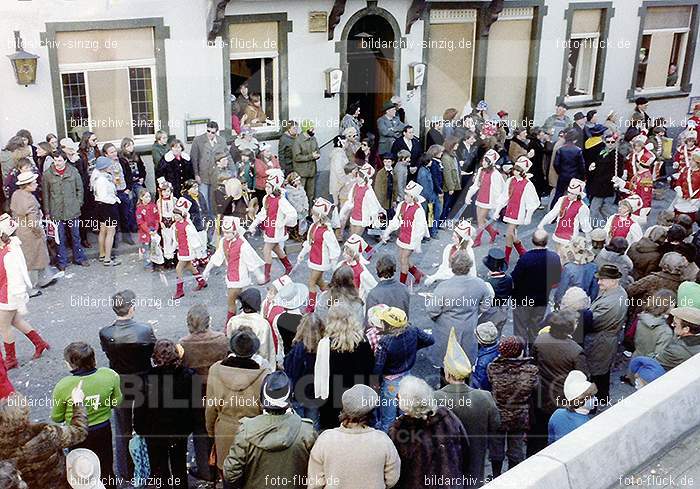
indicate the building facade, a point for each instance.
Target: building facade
{"x":129,"y":67}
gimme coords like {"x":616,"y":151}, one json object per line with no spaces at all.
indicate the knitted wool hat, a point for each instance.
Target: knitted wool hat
{"x":510,"y":347}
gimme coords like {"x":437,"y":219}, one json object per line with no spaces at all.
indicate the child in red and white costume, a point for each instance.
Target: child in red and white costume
{"x":322,"y":247}
{"x":148,"y":222}
{"x":276,"y":213}
{"x":271,"y":310}
{"x":166,"y":206}
{"x":242,"y":261}
{"x":488,"y":186}
{"x":642,"y":154}
{"x":188,"y":246}
{"x":412,"y":224}
{"x":687,"y":187}
{"x":684,"y":153}
{"x":571,"y":214}
{"x":352,"y":257}
{"x":461,"y":240}
{"x":641,"y":183}
{"x":520,"y":201}
{"x":14,"y":286}
{"x":622,"y":224}
{"x":362,"y":206}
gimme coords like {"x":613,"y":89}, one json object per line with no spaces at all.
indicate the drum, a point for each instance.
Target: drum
{"x":688,"y":207}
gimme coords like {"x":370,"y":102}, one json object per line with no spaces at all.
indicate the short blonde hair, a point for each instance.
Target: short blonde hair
{"x":416,"y":397}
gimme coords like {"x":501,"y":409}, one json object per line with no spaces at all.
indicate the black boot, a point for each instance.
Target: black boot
{"x":496,"y":468}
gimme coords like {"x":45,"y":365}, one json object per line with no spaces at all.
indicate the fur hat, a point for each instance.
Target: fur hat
{"x":673,"y":263}
{"x":510,"y":347}
{"x":579,"y":251}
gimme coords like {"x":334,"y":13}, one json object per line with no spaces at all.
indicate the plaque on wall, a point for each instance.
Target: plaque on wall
{"x":318,"y":21}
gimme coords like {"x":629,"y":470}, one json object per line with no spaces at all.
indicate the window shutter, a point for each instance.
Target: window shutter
{"x":667,"y":18}
{"x":586,"y":21}
{"x":253,"y":38}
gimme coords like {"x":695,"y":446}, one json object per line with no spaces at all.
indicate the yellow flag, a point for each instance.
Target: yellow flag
{"x":456,"y":361}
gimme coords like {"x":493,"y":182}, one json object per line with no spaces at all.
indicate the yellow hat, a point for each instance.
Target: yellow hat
{"x":456,"y":361}
{"x":394,"y":317}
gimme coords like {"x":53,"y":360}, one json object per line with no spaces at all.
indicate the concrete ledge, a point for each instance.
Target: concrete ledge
{"x":619,"y":440}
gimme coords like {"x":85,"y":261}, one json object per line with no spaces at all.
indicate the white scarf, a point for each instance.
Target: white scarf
{"x":322,"y":369}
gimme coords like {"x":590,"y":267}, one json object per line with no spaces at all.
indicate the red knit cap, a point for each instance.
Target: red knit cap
{"x":510,"y":347}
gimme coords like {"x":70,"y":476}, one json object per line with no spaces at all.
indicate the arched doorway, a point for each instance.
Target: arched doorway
{"x":372,"y":54}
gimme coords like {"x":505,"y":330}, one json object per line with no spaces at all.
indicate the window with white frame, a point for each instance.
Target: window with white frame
{"x":582,"y":58}
{"x":254,"y":58}
{"x":661,"y":55}
{"x":108,"y":83}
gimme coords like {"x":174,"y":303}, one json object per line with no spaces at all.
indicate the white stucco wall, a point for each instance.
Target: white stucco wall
{"x":619,"y":65}
{"x":195,"y":74}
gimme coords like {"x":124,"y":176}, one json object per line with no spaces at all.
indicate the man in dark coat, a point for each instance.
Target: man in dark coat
{"x":286,"y":143}
{"x":388,"y":290}
{"x":569,"y":163}
{"x":579,"y":129}
{"x":128,"y":345}
{"x":536,"y":272}
{"x":475,"y":408}
{"x":603,"y":161}
{"x":410,"y":143}
{"x":556,"y":354}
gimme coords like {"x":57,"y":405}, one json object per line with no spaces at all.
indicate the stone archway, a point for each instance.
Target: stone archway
{"x":370,"y":58}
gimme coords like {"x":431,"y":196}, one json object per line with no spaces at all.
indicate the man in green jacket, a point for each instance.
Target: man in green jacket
{"x":271,"y":449}
{"x":305,"y":152}
{"x":686,"y":342}
{"x":62,"y":190}
{"x":102,"y":393}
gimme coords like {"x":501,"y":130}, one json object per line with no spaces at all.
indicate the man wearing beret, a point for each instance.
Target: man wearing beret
{"x":686,"y":343}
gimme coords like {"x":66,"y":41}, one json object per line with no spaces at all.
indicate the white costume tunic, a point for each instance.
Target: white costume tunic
{"x":488,"y":187}
{"x":241,"y":261}
{"x":363,"y":279}
{"x":362,"y":207}
{"x":618,"y":227}
{"x":165,"y":210}
{"x":325,"y":249}
{"x":571,"y":215}
{"x":275,"y":214}
{"x":410,"y":220}
{"x":188,"y":242}
{"x":444,"y":271}
{"x":14,"y":278}
{"x":520,"y":200}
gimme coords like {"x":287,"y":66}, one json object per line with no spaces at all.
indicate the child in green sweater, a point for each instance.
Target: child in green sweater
{"x":102,"y":394}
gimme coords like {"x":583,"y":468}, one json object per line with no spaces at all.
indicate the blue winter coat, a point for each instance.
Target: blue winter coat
{"x":480,"y":377}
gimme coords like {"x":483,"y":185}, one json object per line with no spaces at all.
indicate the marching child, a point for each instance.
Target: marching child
{"x":571,"y":214}
{"x":296,"y":195}
{"x":276,"y":213}
{"x":386,"y":185}
{"x":520,"y":201}
{"x":166,"y":206}
{"x":241,"y":260}
{"x":622,"y":224}
{"x":270,"y":310}
{"x":352,"y":257}
{"x":322,"y":248}
{"x":488,"y":187}
{"x":461,"y":240}
{"x":148,"y":222}
{"x":198,"y":216}
{"x":413,"y":227}
{"x":188,"y":246}
{"x":362,"y":206}
{"x":343,"y":196}
{"x":685,"y":151}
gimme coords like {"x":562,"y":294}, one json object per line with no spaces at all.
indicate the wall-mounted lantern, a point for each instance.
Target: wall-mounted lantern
{"x":23,"y":63}
{"x":416,"y":75}
{"x":334,"y":79}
